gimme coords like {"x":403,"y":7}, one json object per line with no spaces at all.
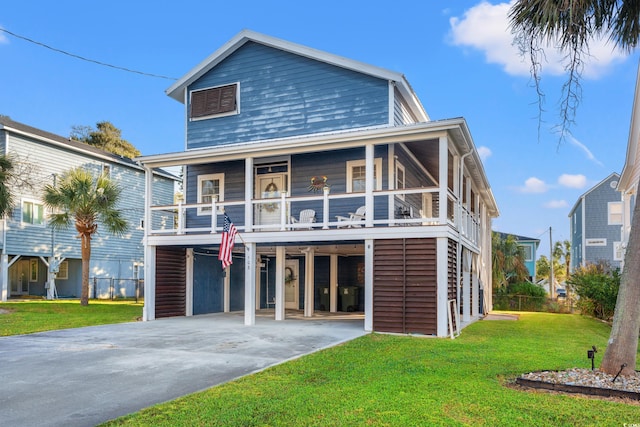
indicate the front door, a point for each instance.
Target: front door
{"x":19,"y":277}
{"x":291,"y":284}
{"x":269,"y":186}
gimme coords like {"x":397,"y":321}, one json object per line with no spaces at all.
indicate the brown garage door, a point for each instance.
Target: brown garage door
{"x":405,"y":286}
{"x":171,"y":282}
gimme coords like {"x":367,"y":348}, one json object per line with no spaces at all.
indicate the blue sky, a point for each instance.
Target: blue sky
{"x":457,"y":56}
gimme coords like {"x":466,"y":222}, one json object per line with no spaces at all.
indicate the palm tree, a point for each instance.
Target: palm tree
{"x":85,"y":200}
{"x":507,"y":261}
{"x":6,"y":198}
{"x":571,"y":25}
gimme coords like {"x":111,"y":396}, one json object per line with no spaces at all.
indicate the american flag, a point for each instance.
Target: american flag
{"x":229,"y":232}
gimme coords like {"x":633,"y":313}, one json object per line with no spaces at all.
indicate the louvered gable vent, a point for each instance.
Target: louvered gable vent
{"x":213,"y":101}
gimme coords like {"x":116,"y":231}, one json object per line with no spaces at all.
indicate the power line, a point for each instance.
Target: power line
{"x":104,"y":64}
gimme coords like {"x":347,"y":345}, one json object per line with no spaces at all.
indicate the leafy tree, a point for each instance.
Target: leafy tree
{"x":508,"y":265}
{"x":6,"y":197}
{"x":84,"y":200}
{"x":571,"y":25}
{"x":597,"y":286}
{"x":106,"y":137}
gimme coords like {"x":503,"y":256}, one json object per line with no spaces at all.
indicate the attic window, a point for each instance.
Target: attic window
{"x":216,"y":101}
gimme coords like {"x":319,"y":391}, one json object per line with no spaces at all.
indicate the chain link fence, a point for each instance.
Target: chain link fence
{"x":529,"y":303}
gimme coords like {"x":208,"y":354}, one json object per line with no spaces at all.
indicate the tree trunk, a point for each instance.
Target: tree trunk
{"x":86,"y":261}
{"x":623,"y":341}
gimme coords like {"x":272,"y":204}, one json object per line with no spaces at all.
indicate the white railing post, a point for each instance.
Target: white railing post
{"x":283,"y":211}
{"x":325,"y":208}
{"x":214,"y":215}
{"x":180,"y":218}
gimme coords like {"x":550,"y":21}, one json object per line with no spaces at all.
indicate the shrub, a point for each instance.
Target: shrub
{"x":520,"y":296}
{"x":596,"y":286}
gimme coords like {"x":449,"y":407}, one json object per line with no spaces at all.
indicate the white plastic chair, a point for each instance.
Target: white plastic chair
{"x":307,"y":216}
{"x":354,"y":218}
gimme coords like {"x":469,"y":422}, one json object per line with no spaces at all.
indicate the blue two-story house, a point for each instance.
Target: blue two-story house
{"x":596,"y":225}
{"x":35,"y":260}
{"x":346,"y":196}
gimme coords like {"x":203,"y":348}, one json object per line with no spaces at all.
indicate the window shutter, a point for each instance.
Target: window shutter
{"x":213,"y":101}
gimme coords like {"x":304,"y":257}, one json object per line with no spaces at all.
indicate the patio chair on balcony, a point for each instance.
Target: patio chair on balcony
{"x":307,"y":216}
{"x":354,"y":218}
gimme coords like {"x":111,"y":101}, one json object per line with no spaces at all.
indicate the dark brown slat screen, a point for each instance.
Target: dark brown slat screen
{"x":171,"y":282}
{"x":209,"y":102}
{"x":405,"y":286}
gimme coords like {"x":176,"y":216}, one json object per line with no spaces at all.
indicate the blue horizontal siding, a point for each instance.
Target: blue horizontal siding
{"x":283,"y":95}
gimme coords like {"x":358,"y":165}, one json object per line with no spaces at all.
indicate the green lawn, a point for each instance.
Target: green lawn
{"x":387,"y":380}
{"x":25,"y":317}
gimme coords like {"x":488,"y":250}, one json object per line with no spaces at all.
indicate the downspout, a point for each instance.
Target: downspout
{"x":459,"y":249}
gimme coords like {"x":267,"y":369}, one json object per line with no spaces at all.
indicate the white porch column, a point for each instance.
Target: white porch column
{"x":368,"y":284}
{"x":443,"y":174}
{"x":309,"y":277}
{"x":188,"y":310}
{"x":248,"y":194}
{"x":442,"y":286}
{"x":475,"y":286}
{"x":333,"y":283}
{"x":391,"y":179}
{"x":280,"y":261}
{"x":257,"y":272}
{"x":4,"y":266}
{"x":226,"y":290}
{"x":249,"y":284}
{"x":149,"y":309}
{"x":370,"y":184}
{"x":466,"y":285}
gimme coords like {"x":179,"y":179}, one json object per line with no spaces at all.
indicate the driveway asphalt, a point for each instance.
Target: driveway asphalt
{"x":86,"y":376}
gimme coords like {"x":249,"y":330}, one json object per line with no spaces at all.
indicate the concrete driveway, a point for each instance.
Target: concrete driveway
{"x":85,"y":376}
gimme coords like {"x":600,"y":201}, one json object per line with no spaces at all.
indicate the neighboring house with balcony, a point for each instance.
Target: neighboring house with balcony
{"x":35,"y":259}
{"x":596,"y":224}
{"x":529,"y":247}
{"x":347,"y":197}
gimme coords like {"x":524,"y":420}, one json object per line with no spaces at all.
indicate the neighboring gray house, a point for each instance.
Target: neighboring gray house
{"x":32,"y":251}
{"x":596,"y":224}
{"x":346,"y":195}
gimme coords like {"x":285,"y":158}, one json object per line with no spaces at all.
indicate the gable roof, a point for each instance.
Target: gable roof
{"x":521,"y":239}
{"x":178,"y":89}
{"x":586,"y":193}
{"x":11,"y":126}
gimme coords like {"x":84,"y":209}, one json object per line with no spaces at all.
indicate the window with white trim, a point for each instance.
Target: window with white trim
{"x":210,"y":186}
{"x":63,"y":270}
{"x":528,"y":252}
{"x":214,"y":102}
{"x":615,"y":213}
{"x":618,"y":251}
{"x":356,"y":175}
{"x":32,"y":212}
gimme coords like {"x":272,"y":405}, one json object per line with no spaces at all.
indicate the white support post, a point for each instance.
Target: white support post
{"x":214,"y":215}
{"x":226,"y":286}
{"x":442,"y":286}
{"x":249,"y":284}
{"x":149,"y":309}
{"x":180,"y":218}
{"x":391,"y":179}
{"x":368,"y":285}
{"x":370,"y":184}
{"x":4,"y":266}
{"x":443,"y":173}
{"x":309,"y":277}
{"x":333,"y":283}
{"x":475,"y":287}
{"x":248,"y":194}
{"x":280,"y":261}
{"x":466,"y":285}
{"x":283,"y":211}
{"x":325,"y":208}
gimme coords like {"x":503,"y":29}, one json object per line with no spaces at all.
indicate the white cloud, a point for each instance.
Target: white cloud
{"x":556,"y":204}
{"x":572,"y":181}
{"x":484,"y":153}
{"x":485,"y":27}
{"x":534,"y":185}
{"x":573,"y":141}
